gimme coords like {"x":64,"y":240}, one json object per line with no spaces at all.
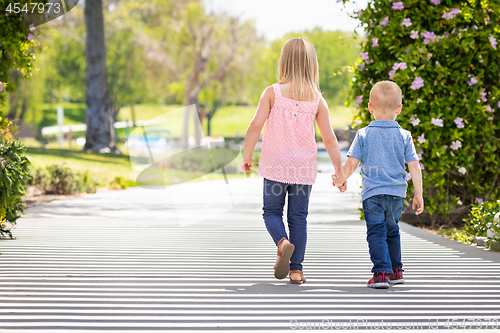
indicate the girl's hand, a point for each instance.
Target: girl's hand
{"x":342,"y":187}
{"x":246,"y":165}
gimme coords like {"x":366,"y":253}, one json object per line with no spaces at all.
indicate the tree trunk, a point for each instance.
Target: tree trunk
{"x":100,"y":131}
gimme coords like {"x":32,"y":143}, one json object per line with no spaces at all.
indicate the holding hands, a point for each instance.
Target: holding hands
{"x":342,"y":186}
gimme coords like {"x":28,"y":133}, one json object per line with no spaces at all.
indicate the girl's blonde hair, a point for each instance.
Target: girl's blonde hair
{"x":298,"y":65}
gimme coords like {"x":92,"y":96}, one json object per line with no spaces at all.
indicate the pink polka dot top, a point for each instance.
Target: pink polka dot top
{"x":288,"y":143}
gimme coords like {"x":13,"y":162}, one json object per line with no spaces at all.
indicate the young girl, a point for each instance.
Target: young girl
{"x":288,"y":162}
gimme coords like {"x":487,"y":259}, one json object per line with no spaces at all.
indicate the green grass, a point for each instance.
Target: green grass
{"x":101,"y":166}
{"x":105,"y":167}
{"x":229,"y":121}
{"x":74,"y":113}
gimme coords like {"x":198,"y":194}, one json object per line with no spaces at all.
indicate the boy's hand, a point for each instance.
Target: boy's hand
{"x":246,"y":165}
{"x":342,"y":187}
{"x":418,"y":201}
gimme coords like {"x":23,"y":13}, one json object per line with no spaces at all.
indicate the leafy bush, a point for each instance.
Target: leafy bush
{"x":482,"y":218}
{"x":444,"y":56}
{"x":13,"y":175}
{"x":59,"y":179}
{"x":120,"y":183}
{"x":457,"y":234}
{"x":15,"y":42}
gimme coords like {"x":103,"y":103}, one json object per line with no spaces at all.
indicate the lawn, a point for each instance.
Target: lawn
{"x":101,"y":166}
{"x":229,"y":121}
{"x":105,"y":167}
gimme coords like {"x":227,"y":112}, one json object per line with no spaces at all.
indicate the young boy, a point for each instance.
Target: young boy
{"x":383,"y":147}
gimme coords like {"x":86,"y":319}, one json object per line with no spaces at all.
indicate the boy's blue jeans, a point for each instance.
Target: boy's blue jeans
{"x":298,"y":205}
{"x":382,"y":214}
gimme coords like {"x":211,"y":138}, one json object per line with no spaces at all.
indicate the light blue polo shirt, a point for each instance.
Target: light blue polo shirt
{"x":383,"y":147}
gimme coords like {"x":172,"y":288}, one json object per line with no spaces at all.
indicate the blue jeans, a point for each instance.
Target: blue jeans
{"x":298,"y":205}
{"x":382,"y":214}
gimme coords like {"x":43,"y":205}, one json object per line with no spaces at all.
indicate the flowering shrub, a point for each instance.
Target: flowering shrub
{"x":444,"y":55}
{"x":481,"y":219}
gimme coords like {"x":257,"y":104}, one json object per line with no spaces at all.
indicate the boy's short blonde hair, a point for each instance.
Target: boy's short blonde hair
{"x":385,"y":96}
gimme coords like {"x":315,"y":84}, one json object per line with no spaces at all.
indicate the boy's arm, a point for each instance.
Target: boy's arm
{"x":346,"y":171}
{"x":416,"y":176}
{"x":255,"y":127}
{"x":327,"y":134}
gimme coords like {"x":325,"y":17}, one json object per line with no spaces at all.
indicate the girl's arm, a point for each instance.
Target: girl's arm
{"x":329,"y":138}
{"x":255,"y":127}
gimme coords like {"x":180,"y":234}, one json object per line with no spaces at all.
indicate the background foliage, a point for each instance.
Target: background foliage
{"x":13,"y":174}
{"x":444,"y":56}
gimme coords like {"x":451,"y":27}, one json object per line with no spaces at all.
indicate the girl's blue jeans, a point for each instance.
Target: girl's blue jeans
{"x":382,"y":214}
{"x":298,"y":205}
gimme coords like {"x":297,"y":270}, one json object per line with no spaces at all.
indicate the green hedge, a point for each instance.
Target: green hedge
{"x":13,"y":176}
{"x":444,"y":54}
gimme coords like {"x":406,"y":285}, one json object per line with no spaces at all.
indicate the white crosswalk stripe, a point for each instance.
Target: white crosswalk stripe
{"x":220,"y":278}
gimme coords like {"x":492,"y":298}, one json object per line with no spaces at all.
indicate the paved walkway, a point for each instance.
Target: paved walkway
{"x":134,"y":261}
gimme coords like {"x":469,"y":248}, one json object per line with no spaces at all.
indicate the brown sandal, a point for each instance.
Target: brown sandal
{"x":283,"y":265}
{"x":302,"y":278}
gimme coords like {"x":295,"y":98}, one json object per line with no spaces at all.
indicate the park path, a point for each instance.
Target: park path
{"x":120,"y":261}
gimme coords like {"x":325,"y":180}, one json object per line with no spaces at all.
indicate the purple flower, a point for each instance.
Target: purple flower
{"x":397,"y":6}
{"x":414,"y":121}
{"x":406,"y":22}
{"x":359,"y":100}
{"x":479,"y":200}
{"x":489,"y":109}
{"x":361,"y":67}
{"x":385,"y":21}
{"x":1,"y":86}
{"x":407,"y":50}
{"x":375,"y":42}
{"x":459,"y":122}
{"x":32,"y":27}
{"x":437,"y":122}
{"x":421,"y":139}
{"x":414,"y":34}
{"x":419,"y":154}
{"x":365,"y":56}
{"x":483,"y":96}
{"x":428,"y":36}
{"x":451,"y":14}
{"x":30,"y":37}
{"x":392,"y":74}
{"x":436,"y":2}
{"x":462,"y":170}
{"x":456,"y":144}
{"x":421,"y":165}
{"x":408,"y":177}
{"x":339,"y":1}
{"x":417,"y":83}
{"x":490,"y":118}
{"x":402,"y":65}
{"x":472,"y":81}
{"x":487,"y":20}
{"x":499,"y":104}
{"x":493,"y":42}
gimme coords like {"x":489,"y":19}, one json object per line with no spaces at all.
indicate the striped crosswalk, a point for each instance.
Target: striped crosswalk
{"x":120,"y":262}
{"x":220,"y":278}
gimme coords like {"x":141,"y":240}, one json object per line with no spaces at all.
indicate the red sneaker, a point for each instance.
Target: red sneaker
{"x":379,"y":280}
{"x":397,"y":276}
